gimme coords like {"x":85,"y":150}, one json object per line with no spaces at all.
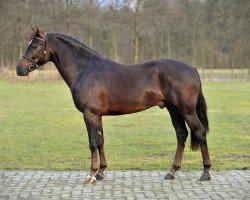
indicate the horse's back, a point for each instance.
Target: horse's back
{"x":173,"y":69}
{"x":161,"y":74}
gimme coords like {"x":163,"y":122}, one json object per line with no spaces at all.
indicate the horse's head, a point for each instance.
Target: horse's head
{"x":35,"y":54}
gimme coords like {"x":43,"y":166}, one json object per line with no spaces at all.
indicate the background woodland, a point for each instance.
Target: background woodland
{"x":208,"y":34}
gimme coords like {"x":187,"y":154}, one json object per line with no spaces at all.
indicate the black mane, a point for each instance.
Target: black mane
{"x":78,"y":43}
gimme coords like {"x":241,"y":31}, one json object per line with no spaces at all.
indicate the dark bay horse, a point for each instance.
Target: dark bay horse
{"x":100,"y":86}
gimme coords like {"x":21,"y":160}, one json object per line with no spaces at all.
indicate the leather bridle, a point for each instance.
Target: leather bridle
{"x":34,"y":64}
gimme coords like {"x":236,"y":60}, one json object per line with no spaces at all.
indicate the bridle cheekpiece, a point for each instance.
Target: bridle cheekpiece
{"x":34,"y":64}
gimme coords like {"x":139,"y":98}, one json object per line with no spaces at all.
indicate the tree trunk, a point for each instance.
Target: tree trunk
{"x":90,"y":23}
{"x":194,"y":43}
{"x":248,"y":73}
{"x":116,"y":57}
{"x":169,"y":45}
{"x":137,"y":30}
{"x":67,"y":15}
{"x":113,"y":52}
{"x":203,"y":50}
{"x":53,"y":15}
{"x":13,"y":61}
{"x":1,"y":42}
{"x":232,"y":68}
{"x":21,"y":28}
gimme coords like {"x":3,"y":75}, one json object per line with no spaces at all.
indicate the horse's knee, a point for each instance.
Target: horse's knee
{"x":93,"y":146}
{"x":96,"y":143}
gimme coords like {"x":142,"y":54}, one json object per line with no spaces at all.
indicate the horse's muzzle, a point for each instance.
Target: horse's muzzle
{"x":22,"y":72}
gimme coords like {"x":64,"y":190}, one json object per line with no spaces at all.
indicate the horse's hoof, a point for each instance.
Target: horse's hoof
{"x":99,"y":176}
{"x":90,"y":180}
{"x":205,"y":177}
{"x":169,"y":176}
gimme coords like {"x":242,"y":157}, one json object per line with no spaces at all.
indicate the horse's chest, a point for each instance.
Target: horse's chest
{"x":79,"y":98}
{"x":89,"y":99}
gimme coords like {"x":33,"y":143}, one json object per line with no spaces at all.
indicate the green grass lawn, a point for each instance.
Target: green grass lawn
{"x":41,"y":129}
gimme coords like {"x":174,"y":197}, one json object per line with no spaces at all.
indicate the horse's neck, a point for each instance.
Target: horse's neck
{"x":67,"y":62}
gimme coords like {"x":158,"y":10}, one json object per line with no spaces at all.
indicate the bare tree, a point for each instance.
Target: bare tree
{"x":137,"y":29}
{"x":68,"y":4}
{"x":208,"y":34}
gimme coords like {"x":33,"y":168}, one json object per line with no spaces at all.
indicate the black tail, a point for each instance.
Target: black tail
{"x":201,"y":110}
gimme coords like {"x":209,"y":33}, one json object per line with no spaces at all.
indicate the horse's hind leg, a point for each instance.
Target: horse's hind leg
{"x":181,"y":134}
{"x":200,"y":133}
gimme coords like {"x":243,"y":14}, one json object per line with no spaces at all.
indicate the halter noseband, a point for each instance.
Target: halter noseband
{"x":34,"y":64}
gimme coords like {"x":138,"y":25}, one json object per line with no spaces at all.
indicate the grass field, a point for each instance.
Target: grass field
{"x":41,"y":129}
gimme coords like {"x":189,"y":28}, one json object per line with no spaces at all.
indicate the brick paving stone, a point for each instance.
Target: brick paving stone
{"x":128,"y":185}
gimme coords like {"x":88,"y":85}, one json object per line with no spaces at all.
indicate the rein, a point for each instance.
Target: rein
{"x":34,"y":64}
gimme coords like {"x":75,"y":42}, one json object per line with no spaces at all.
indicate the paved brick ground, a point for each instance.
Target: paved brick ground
{"x":123,"y":185}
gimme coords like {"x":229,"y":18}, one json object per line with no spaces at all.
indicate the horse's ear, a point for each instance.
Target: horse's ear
{"x":32,"y":28}
{"x":34,"y":32}
{"x":40,"y":33}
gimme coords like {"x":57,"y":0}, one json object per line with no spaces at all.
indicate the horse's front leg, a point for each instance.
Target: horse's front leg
{"x":94,"y":127}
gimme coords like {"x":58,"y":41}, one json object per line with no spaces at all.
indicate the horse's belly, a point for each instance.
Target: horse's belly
{"x":125,"y":109}
{"x":132,"y":104}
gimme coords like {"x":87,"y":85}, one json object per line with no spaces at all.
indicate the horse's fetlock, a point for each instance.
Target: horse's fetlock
{"x":176,"y":167}
{"x":207,"y":165}
{"x":103,"y":166}
{"x":94,"y":170}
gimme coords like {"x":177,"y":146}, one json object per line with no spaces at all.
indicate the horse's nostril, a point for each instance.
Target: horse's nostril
{"x":18,"y":70}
